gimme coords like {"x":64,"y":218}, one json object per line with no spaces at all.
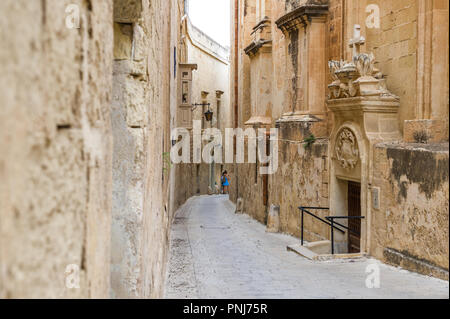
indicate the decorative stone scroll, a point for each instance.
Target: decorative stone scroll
{"x":346,"y":149}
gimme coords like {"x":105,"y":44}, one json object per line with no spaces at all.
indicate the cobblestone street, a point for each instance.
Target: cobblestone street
{"x":218,"y":254}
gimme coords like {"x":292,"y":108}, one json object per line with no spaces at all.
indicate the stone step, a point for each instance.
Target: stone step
{"x":302,"y":251}
{"x":321,"y":251}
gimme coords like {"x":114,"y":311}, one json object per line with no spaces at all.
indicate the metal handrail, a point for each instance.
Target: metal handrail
{"x":304,"y":210}
{"x":308,"y":207}
{"x":331,"y":219}
{"x":331,"y":223}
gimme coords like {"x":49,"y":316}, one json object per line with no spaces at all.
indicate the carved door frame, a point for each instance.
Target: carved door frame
{"x":348,"y":165}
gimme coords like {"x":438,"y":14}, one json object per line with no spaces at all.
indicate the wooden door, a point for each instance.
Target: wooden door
{"x":265,"y":177}
{"x":354,"y":209}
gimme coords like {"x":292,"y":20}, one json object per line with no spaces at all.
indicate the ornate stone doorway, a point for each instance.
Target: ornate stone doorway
{"x":348,"y":186}
{"x":364,"y":113}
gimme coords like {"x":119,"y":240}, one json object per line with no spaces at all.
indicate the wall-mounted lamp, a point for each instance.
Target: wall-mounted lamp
{"x":208,"y":114}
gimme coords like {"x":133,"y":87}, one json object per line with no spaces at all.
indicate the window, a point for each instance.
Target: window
{"x":185,"y":93}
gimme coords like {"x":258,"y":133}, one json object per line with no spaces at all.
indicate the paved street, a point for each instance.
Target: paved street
{"x":218,"y":254}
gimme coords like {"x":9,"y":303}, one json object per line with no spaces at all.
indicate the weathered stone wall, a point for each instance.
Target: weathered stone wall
{"x":412,"y":217}
{"x":85,"y":125}
{"x":55,"y":151}
{"x":141,"y":122}
{"x":303,"y":172}
{"x":295,"y":162}
{"x":251,"y":191}
{"x":301,"y":179}
{"x":279,"y":53}
{"x":394,"y":45}
{"x":246,"y":21}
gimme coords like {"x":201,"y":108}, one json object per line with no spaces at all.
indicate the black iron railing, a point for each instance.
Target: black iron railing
{"x":331,"y":223}
{"x":304,"y":209}
{"x":332,"y":218}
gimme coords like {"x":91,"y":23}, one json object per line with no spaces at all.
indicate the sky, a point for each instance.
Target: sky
{"x":212,"y":17}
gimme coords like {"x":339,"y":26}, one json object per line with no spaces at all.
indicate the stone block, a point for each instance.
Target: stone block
{"x":127,"y":11}
{"x":388,"y":125}
{"x":239,"y":206}
{"x":139,"y":43}
{"x":371,"y":122}
{"x":135,"y":97}
{"x":273,"y":219}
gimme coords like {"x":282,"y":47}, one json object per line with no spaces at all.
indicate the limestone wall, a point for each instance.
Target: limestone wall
{"x":141,"y":122}
{"x":55,"y":149}
{"x":410,"y":225}
{"x":394,"y":45}
{"x":303,"y":173}
{"x":279,"y":54}
{"x":84,"y":125}
{"x":300,"y":178}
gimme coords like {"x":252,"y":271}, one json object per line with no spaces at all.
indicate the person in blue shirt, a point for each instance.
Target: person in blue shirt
{"x":225,"y":180}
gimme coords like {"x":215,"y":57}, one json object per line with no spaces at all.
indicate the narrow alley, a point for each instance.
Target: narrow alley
{"x":215,"y":253}
{"x":122,"y":123}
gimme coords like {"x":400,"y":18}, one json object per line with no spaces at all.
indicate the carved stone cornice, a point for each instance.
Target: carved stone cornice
{"x":192,"y":66}
{"x":261,"y":37}
{"x":300,"y":16}
{"x":253,"y":48}
{"x":262,"y":24}
{"x":259,"y":121}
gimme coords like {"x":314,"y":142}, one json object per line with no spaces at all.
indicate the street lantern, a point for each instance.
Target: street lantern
{"x":208,"y":114}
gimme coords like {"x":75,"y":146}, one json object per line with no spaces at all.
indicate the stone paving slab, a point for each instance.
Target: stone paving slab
{"x":216,"y":253}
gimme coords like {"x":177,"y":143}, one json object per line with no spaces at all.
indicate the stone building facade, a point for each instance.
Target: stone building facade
{"x":361,"y":103}
{"x":89,"y":98}
{"x":210,"y":68}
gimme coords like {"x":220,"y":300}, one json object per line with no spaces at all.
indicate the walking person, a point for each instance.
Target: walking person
{"x":225,"y":183}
